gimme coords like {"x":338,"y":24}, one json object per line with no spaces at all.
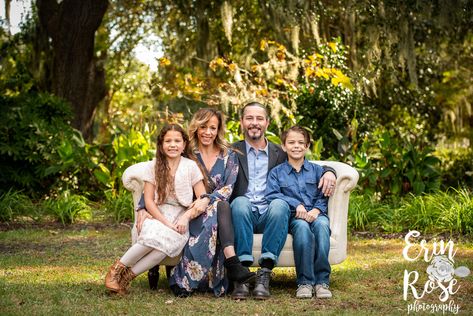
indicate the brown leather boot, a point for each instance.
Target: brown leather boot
{"x":114,"y":277}
{"x":126,"y":279}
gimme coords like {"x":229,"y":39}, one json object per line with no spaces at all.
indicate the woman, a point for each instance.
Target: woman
{"x":203,"y":260}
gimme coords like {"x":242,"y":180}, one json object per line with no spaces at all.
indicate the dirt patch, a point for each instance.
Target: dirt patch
{"x":59,"y":226}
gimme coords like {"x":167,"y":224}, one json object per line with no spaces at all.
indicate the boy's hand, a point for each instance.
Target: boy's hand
{"x":301,"y":212}
{"x":312,"y":215}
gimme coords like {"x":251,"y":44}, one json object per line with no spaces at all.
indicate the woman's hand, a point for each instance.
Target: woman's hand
{"x":327,"y":183}
{"x":201,"y":204}
{"x":301,"y":212}
{"x":198,"y":207}
{"x":142,"y":215}
{"x":182,"y":223}
{"x":312,"y":215}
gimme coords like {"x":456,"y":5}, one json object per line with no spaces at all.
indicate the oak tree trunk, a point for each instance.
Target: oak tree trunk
{"x":77,"y":76}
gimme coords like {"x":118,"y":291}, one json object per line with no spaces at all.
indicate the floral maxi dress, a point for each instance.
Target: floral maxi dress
{"x":201,"y":265}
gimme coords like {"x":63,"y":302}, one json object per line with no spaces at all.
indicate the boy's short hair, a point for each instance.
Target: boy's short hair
{"x":297,"y":129}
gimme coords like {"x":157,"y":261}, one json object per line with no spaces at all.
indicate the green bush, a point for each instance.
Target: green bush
{"x":14,"y":204}
{"x":438,"y":212}
{"x":120,"y":205}
{"x":32,"y":127}
{"x":126,"y":150}
{"x":327,"y":110}
{"x":391,"y":165}
{"x":456,"y":167}
{"x":67,"y":207}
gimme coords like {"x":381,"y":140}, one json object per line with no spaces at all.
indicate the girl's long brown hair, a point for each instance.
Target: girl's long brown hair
{"x":162,"y":169}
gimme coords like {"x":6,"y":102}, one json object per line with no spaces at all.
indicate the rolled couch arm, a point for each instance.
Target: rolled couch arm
{"x":133,"y":181}
{"x":347,"y":177}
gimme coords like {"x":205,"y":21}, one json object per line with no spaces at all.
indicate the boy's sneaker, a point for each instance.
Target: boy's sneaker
{"x":304,"y":291}
{"x":322,"y":291}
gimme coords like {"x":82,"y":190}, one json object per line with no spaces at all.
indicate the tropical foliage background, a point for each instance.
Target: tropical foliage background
{"x":385,"y":86}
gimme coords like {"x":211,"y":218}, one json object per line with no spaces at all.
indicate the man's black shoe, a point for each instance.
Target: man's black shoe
{"x":153,"y":277}
{"x":261,"y":291}
{"x":241,"y":291}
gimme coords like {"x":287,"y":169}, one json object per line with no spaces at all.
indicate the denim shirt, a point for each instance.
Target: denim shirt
{"x":297,"y":188}
{"x":258,"y":160}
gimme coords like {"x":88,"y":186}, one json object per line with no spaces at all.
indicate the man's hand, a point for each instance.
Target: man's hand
{"x":182,"y":223}
{"x":312,"y":215}
{"x":141,"y":216}
{"x":327,"y":183}
{"x":301,"y":212}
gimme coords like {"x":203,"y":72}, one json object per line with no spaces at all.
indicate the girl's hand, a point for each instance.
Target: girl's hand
{"x":312,"y":215}
{"x":301,"y":212}
{"x":142,"y":215}
{"x":182,"y":223}
{"x":170,"y":225}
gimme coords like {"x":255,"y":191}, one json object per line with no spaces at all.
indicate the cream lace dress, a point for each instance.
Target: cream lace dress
{"x":159,"y":236}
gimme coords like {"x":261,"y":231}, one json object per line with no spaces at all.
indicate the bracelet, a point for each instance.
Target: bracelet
{"x":205,"y":195}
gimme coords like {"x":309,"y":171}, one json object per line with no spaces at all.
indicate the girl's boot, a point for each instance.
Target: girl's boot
{"x":126,"y":279}
{"x":114,"y":276}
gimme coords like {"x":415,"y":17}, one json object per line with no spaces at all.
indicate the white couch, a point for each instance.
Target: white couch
{"x":347,"y":177}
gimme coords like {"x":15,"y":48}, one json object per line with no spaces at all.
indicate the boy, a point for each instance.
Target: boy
{"x":295,"y":181}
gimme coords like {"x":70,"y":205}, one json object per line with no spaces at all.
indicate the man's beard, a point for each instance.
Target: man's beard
{"x":256,"y":136}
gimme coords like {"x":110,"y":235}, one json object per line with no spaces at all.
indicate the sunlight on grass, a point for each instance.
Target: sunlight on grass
{"x":46,"y":272}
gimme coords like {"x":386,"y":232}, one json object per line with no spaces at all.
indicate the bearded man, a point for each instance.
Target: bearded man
{"x":251,"y":213}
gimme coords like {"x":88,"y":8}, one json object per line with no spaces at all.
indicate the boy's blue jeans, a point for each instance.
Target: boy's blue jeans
{"x":273,"y":224}
{"x":311,"y":245}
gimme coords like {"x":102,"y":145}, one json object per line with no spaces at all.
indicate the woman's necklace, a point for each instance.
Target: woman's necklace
{"x":209,"y":158}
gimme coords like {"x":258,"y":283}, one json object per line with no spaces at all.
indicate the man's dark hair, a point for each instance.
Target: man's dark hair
{"x":254,"y":103}
{"x":297,"y":129}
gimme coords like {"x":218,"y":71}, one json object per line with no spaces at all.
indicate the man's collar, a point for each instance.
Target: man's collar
{"x":265,"y":149}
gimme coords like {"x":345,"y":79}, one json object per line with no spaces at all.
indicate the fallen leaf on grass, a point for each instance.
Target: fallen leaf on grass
{"x":169,"y":302}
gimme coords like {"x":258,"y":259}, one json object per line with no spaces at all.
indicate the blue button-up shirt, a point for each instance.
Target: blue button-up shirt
{"x":297,"y":188}
{"x":258,"y":160}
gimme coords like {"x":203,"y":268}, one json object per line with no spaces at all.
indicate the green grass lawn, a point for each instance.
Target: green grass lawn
{"x":54,"y":271}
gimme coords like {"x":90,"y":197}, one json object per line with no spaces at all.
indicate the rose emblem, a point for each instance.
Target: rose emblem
{"x":441,"y":269}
